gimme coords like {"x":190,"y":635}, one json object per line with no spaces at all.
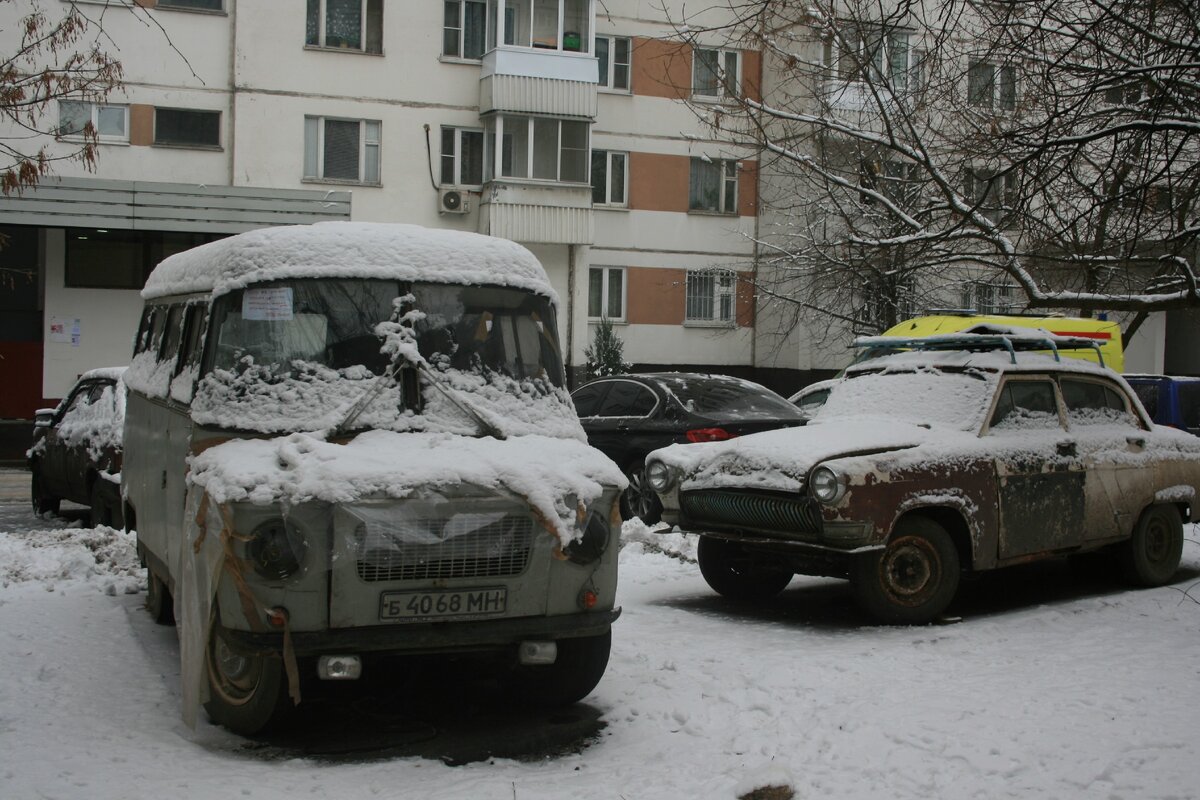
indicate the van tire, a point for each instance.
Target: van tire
{"x":574,"y":674}
{"x":1151,"y":556}
{"x":159,"y":601}
{"x":247,"y":694}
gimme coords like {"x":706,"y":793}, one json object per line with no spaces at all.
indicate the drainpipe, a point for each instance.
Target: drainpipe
{"x":570,"y":315}
{"x":233,"y":93}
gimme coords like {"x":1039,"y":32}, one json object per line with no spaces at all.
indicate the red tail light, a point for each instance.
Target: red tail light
{"x":708,"y":435}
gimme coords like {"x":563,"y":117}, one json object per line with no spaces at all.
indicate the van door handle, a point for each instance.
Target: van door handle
{"x":1067,"y":449}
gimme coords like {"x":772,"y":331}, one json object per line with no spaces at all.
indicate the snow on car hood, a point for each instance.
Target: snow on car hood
{"x":781,"y":459}
{"x":304,"y":467}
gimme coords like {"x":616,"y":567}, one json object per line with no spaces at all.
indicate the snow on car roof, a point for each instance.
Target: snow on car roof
{"x":109,"y":373}
{"x":992,"y":360}
{"x":349,"y":250}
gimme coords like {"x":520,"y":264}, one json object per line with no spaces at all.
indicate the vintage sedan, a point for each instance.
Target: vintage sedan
{"x":930,"y":463}
{"x":76,"y":452}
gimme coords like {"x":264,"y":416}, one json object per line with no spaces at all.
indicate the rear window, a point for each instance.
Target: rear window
{"x":729,"y":399}
{"x":1189,"y":403}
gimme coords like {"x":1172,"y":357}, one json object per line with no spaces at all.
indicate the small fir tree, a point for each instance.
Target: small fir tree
{"x":604,"y":356}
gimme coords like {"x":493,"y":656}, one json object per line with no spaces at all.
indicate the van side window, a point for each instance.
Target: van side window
{"x":172,"y":335}
{"x":157,"y":325}
{"x":193,"y":330}
{"x":142,"y":342}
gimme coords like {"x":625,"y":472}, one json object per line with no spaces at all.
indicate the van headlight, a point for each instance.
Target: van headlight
{"x":592,"y":542}
{"x":276,"y":549}
{"x":659,"y":476}
{"x":827,"y":485}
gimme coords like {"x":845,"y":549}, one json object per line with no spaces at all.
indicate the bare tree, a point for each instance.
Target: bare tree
{"x":917,"y":154}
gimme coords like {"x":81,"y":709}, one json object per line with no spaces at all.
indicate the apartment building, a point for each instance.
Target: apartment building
{"x":560,"y":124}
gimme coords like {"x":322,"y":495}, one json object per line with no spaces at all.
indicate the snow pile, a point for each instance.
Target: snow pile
{"x":348,"y":249}
{"x":638,"y":538}
{"x":550,"y":474}
{"x":101,"y":556}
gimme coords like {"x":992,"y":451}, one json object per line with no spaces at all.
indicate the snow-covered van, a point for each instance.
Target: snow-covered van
{"x":346,"y":441}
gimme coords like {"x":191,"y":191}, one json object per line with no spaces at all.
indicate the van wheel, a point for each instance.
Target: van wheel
{"x":42,"y":502}
{"x":246,"y":693}
{"x":580,"y":665}
{"x":733,"y":573}
{"x":159,"y":601}
{"x":1151,"y":556}
{"x":913,"y":579}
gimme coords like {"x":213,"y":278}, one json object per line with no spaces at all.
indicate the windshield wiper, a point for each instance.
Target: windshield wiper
{"x":467,"y":408}
{"x":373,"y":391}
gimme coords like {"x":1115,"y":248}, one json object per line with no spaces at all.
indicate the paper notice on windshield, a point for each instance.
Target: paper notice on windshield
{"x":267,"y":304}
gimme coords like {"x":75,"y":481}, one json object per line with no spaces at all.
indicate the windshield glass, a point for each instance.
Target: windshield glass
{"x":295,"y":355}
{"x":946,"y":398}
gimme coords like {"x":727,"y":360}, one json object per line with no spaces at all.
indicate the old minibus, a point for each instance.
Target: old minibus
{"x":351,"y":441}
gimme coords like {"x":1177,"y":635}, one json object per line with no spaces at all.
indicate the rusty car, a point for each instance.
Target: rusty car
{"x":960,"y":454}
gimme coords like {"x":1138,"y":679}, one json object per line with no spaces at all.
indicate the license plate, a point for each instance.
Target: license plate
{"x":443,"y":603}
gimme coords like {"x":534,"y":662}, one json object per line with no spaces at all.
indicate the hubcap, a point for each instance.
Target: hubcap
{"x":235,"y":676}
{"x":639,"y":496}
{"x":1157,"y":541}
{"x":910,"y":570}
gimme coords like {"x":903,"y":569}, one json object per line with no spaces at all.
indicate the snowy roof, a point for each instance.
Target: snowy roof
{"x":111,"y":373}
{"x":349,"y":250}
{"x":993,"y":360}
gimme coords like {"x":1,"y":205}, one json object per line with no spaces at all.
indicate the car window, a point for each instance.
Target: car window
{"x":627,"y":399}
{"x":728,"y":398}
{"x":1189,"y":403}
{"x":1148,"y":394}
{"x":1026,"y":404}
{"x":587,"y":398}
{"x":79,"y":399}
{"x":1093,"y":403}
{"x":810,"y":403}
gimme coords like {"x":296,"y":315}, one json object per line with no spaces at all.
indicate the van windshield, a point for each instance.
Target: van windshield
{"x":289,"y":355}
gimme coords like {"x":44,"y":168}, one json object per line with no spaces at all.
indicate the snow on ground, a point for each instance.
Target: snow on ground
{"x":1050,"y":687}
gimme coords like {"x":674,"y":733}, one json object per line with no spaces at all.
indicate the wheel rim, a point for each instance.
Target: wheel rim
{"x":910,"y":570}
{"x":234,"y":677}
{"x":639,"y":496}
{"x":1157,"y":541}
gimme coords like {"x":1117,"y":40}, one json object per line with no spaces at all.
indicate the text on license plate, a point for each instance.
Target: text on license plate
{"x":443,"y":603}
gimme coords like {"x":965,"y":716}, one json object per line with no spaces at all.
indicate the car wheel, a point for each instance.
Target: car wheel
{"x":733,"y":573}
{"x":159,"y":601}
{"x":42,"y":502}
{"x":100,"y":512}
{"x":573,"y":675}
{"x":638,"y":499}
{"x":246,"y":693}
{"x":1151,"y":556}
{"x":913,"y":579}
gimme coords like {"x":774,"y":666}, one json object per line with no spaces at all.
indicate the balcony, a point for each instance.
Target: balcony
{"x":531,"y":81}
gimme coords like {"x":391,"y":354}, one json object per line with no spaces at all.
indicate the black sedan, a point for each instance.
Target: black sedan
{"x":628,"y":416}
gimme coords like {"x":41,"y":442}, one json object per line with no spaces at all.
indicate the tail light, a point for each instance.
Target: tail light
{"x":708,"y":435}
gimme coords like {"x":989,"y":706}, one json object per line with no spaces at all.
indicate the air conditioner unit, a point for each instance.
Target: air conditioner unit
{"x":452,"y":201}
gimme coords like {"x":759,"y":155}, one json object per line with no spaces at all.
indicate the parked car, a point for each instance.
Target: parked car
{"x":810,"y":399}
{"x":1169,"y":400}
{"x":76,"y":452}
{"x":926,"y":464}
{"x":627,"y":416}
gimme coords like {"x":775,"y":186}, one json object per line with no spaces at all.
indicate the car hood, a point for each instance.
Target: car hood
{"x":781,"y":459}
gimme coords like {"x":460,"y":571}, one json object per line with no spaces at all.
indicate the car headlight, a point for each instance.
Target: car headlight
{"x":827,"y":485}
{"x":659,"y":476}
{"x":592,"y":542}
{"x":276,"y":549}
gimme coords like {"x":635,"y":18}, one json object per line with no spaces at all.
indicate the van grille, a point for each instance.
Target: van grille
{"x":785,"y":514}
{"x":497,"y":550}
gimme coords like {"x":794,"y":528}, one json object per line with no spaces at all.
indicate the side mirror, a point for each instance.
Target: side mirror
{"x":43,"y":417}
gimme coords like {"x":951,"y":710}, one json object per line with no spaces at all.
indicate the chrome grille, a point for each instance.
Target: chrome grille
{"x":498,"y":549}
{"x":764,"y":511}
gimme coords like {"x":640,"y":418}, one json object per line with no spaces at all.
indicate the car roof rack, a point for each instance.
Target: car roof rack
{"x":982,"y":342}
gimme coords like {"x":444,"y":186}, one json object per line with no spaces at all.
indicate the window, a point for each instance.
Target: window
{"x":710,"y":296}
{"x":464,"y":29}
{"x":1026,"y":404}
{"x":613,"y":52}
{"x":885,"y":56}
{"x":606,"y":293}
{"x":462,"y":157}
{"x":992,"y":193}
{"x":183,"y":128}
{"x":716,"y":73}
{"x":992,"y":86}
{"x":886,"y":300}
{"x":627,"y":399}
{"x":203,"y":5}
{"x":609,"y":177}
{"x":1123,"y":94}
{"x":110,"y":122}
{"x":345,"y":25}
{"x":544,"y":24}
{"x":539,"y":148}
{"x":996,"y":297}
{"x":713,"y":186}
{"x":341,"y":149}
{"x":1092,"y":403}
{"x":121,"y":259}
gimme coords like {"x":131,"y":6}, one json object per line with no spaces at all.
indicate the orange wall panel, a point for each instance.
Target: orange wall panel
{"x":141,"y":124}
{"x":752,"y":75}
{"x":658,"y":182}
{"x":748,"y":188}
{"x":655,"y":296}
{"x":662,"y":69}
{"x":744,"y":300}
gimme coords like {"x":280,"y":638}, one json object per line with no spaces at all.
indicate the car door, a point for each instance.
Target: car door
{"x":621,"y":427}
{"x":1106,"y":429}
{"x":56,"y":458}
{"x":1040,"y":476}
